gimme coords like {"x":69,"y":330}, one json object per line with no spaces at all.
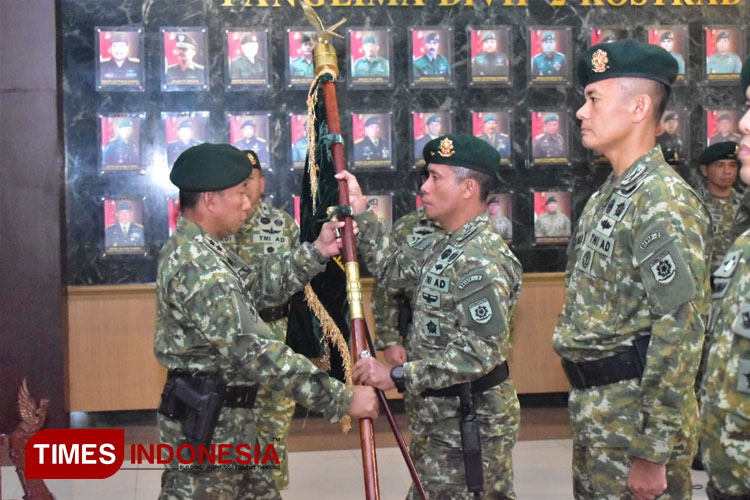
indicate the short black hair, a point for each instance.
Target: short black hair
{"x":485,"y":180}
{"x":189,"y":199}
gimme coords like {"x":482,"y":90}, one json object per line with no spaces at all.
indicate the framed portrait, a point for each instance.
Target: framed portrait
{"x":370,"y":58}
{"x":673,"y":133}
{"x":372,"y":145}
{"x":500,"y":208}
{"x":123,"y":229}
{"x":427,"y":125}
{"x":251,"y":131}
{"x":298,"y":143}
{"x":382,"y":206}
{"x":173,"y":212}
{"x":673,"y":39}
{"x":120,"y":142}
{"x":185,"y":53}
{"x":725,"y":50}
{"x":549,"y":132}
{"x":246,"y":61}
{"x":550,"y":53}
{"x":493,"y":127}
{"x":552,"y":216}
{"x":300,"y":64}
{"x":183,"y":130}
{"x":722,"y":125}
{"x":119,"y":62}
{"x":607,"y":34}
{"x":490,"y":64}
{"x":431,"y":57}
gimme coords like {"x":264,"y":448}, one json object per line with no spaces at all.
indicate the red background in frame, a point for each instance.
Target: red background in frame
{"x":712,"y":33}
{"x":110,"y":124}
{"x":234,"y":47}
{"x":199,"y":122}
{"x":540,"y":198}
{"x":536,"y":41}
{"x":596,"y":35}
{"x":358,"y":125}
{"x":477,"y":121}
{"x":170,"y":46}
{"x":295,"y":46}
{"x":417,"y":42}
{"x":537,"y":123}
{"x":104,"y":44}
{"x":110,"y":208}
{"x":712,"y":120}
{"x":173,"y":211}
{"x":476,"y":41}
{"x":235,"y":126}
{"x":679,"y":36}
{"x":297,"y":200}
{"x":298,"y":127}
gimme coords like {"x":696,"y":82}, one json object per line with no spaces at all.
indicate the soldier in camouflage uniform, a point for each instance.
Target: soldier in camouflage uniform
{"x":725,"y":401}
{"x":208,"y":325}
{"x":266,"y":231}
{"x":637,"y":290}
{"x":552,"y":223}
{"x":464,"y":283}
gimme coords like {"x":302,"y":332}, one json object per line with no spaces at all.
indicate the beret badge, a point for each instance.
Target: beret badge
{"x":446,"y":148}
{"x":599,"y":61}
{"x":251,"y":158}
{"x":737,"y":150}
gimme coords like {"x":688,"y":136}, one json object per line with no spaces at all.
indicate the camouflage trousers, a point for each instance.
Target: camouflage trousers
{"x":235,"y":426}
{"x":725,"y":441}
{"x":275,"y":412}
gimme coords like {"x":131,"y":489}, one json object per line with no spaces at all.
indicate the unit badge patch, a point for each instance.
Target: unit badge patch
{"x":430,"y":327}
{"x":481,"y":311}
{"x":663,"y":268}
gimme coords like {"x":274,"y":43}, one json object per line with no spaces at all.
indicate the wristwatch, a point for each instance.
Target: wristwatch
{"x":397,"y":375}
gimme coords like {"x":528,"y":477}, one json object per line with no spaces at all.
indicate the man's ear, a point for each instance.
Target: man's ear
{"x":704,"y":170}
{"x":642,"y":105}
{"x":208,"y":198}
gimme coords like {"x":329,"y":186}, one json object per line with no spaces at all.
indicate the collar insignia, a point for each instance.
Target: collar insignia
{"x":446,"y":148}
{"x":599,"y":60}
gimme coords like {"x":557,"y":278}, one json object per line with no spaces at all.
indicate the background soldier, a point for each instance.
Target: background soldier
{"x":184,"y":141}
{"x":431,"y":63}
{"x":433,"y":128}
{"x":302,"y":66}
{"x":670,"y":138}
{"x":249,"y":65}
{"x":725,"y":399}
{"x":489,"y":62}
{"x":371,"y":146}
{"x":666,"y":40}
{"x":268,"y":230}
{"x":464,"y":286}
{"x":637,"y":290}
{"x":548,"y":62}
{"x":208,"y":330}
{"x":552,"y":223}
{"x":549,"y":144}
{"x":252,"y":142}
{"x":119,"y":66}
{"x":499,"y":222}
{"x":496,"y":139}
{"x":121,"y":150}
{"x":124,"y":232}
{"x":186,"y":69}
{"x":724,"y":131}
{"x":723,"y":61}
{"x":371,"y":65}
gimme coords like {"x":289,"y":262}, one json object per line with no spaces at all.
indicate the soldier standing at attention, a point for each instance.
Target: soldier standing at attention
{"x":549,"y":144}
{"x":464,"y":282}
{"x":268,"y":230}
{"x":431,"y":63}
{"x":208,"y":330}
{"x":371,"y":65}
{"x":548,"y":62}
{"x":725,"y":395}
{"x":552,"y":223}
{"x":637,"y":290}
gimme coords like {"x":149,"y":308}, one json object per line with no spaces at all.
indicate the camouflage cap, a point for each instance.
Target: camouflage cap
{"x":745,"y":76}
{"x":369,"y":39}
{"x":432,"y":119}
{"x":462,"y":150}
{"x":727,"y":150}
{"x":253,"y":157}
{"x":211,"y":167}
{"x":488,"y":35}
{"x":626,"y":58}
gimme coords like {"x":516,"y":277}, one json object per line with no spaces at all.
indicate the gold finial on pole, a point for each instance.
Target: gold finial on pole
{"x":324,"y":53}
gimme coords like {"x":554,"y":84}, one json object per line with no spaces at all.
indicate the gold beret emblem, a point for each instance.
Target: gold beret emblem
{"x":251,"y":158}
{"x":446,"y":148}
{"x":599,"y":61}
{"x":676,"y":156}
{"x":736,"y":150}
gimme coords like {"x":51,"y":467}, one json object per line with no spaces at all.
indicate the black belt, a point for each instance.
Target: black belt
{"x":235,"y":396}
{"x":623,"y":366}
{"x":270,"y":314}
{"x":497,"y":376}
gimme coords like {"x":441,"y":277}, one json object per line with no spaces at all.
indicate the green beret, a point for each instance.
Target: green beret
{"x":211,"y":167}
{"x":488,"y":35}
{"x":551,"y":117}
{"x":671,"y":116}
{"x":373,"y":120}
{"x":124,"y":205}
{"x":369,"y":39}
{"x":671,"y":156}
{"x":463,"y":150}
{"x":551,"y":199}
{"x":722,"y":35}
{"x":547,"y":35}
{"x":745,"y":77}
{"x":626,"y":58}
{"x":727,"y":150}
{"x":249,"y":38}
{"x":306,"y":38}
{"x":432,"y":119}
{"x":253,"y":157}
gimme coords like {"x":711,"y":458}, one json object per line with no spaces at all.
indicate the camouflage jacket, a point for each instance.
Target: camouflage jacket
{"x":464,"y":287}
{"x":638,"y":265}
{"x":726,"y":380}
{"x":207,"y":320}
{"x":742,"y":218}
{"x":723,"y":212}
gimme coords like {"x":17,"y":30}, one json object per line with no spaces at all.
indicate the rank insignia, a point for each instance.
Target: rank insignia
{"x":663,"y":268}
{"x":727,"y":267}
{"x":599,"y":60}
{"x":431,"y":327}
{"x":446,"y":148}
{"x":481,"y":311}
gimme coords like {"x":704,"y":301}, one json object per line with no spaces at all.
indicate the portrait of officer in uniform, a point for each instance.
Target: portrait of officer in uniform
{"x":298,"y":125}
{"x":248,"y":132}
{"x":381,"y":205}
{"x":489,"y":61}
{"x":183,"y":132}
{"x":489,"y":127}
{"x":721,"y":59}
{"x":607,"y":34}
{"x":551,"y":216}
{"x":372,"y":145}
{"x":550,"y":145}
{"x":428,"y":126}
{"x":125,"y":234}
{"x":549,"y":63}
{"x":301,"y":65}
{"x":431,"y":57}
{"x":247,"y":58}
{"x":499,"y":208}
{"x":121,"y":143}
{"x":120,"y":66}
{"x":721,"y":126}
{"x":185,"y":60}
{"x":673,"y":39}
{"x":370,"y":57}
{"x":672,"y":133}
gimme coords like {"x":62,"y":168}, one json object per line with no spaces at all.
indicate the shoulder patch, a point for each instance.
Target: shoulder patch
{"x":741,"y":324}
{"x":469,"y":279}
{"x":481,"y":311}
{"x":650,"y":241}
{"x":637,"y":172}
{"x":728,"y":265}
{"x":667,"y":278}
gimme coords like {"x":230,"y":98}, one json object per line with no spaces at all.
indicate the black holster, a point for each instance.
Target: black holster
{"x":194,"y":400}
{"x":471,"y":442}
{"x":404,"y":313}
